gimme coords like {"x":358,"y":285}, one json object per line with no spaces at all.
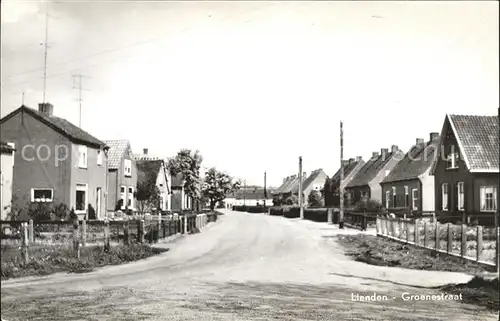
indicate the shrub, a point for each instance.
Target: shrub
{"x":92,"y":214}
{"x":314,"y":199}
{"x":369,"y":206}
{"x":292,"y":200}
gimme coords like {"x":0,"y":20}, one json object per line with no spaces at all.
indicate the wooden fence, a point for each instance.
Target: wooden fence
{"x":28,"y":236}
{"x":476,"y":243}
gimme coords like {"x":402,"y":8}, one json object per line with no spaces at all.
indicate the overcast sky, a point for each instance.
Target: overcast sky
{"x":254,"y":85}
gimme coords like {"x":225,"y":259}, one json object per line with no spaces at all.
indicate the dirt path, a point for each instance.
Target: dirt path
{"x":244,"y":267}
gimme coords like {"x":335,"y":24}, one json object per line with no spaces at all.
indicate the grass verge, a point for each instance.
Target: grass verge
{"x":382,"y":252}
{"x":50,"y":259}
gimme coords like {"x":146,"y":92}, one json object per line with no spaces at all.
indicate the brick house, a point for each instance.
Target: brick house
{"x":351,"y":168}
{"x":155,"y":171}
{"x":410,"y":185}
{"x":365,"y":184}
{"x":179,"y":199}
{"x":467,"y":168}
{"x":122,"y":177}
{"x":55,"y":161}
{"x":6,"y":173}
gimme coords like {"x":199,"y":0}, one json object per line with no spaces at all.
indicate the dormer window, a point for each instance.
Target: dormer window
{"x":452,"y":159}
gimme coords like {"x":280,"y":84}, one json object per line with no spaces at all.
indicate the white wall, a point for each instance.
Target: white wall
{"x":7,"y":170}
{"x":427,"y":192}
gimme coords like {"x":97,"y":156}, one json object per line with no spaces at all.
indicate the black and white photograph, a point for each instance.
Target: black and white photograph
{"x":250,"y":160}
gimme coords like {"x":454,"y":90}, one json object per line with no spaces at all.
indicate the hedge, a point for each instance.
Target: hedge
{"x":250,"y":209}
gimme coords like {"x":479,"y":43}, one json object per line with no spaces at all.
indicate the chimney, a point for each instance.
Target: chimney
{"x":293,"y":177}
{"x":419,"y":141}
{"x":433,"y":136}
{"x":345,"y":162}
{"x":284,"y":180}
{"x":351,"y":160}
{"x":304,"y":174}
{"x":145,"y":151}
{"x":394,"y":148}
{"x":375,"y":155}
{"x":384,"y":152}
{"x":359,"y":158}
{"x":46,"y":109}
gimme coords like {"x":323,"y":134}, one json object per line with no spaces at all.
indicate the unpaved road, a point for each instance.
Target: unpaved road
{"x":244,"y":267}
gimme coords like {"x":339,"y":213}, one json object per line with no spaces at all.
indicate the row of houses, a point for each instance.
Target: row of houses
{"x":48,"y":159}
{"x":250,"y":196}
{"x":454,"y":172}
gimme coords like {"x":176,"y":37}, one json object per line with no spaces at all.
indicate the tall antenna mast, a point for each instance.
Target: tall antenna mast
{"x":79,"y":87}
{"x":46,"y":49}
{"x":23,"y":100}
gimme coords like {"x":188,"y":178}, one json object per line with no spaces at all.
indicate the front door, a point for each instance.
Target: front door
{"x":98,"y":203}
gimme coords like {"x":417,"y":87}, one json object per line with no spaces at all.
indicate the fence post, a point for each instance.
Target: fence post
{"x":479,"y":242}
{"x":436,"y":232}
{"x":106,"y":236}
{"x":449,"y":242}
{"x":84,"y":233}
{"x":463,"y":246}
{"x":126,"y":239}
{"x":330,"y":215}
{"x":417,"y":231}
{"x":185,"y":217}
{"x":400,"y":234}
{"x":140,"y":231}
{"x":25,"y":241}
{"x":76,"y":238}
{"x":426,"y":235}
{"x":31,"y":232}
{"x":407,"y":231}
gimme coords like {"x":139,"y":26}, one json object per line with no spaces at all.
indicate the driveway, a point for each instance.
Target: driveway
{"x":244,"y":267}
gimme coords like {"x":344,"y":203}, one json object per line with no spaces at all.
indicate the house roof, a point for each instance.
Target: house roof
{"x":282,"y":186}
{"x":293,"y":184}
{"x":250,"y":194}
{"x":6,"y":148}
{"x":347,"y":170}
{"x":61,"y":125}
{"x":148,"y":170}
{"x":416,"y":162}
{"x":308,"y":181}
{"x":117,"y":148}
{"x":371,"y":169}
{"x":478,"y":140}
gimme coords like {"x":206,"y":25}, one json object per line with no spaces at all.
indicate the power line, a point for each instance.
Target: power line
{"x":45,"y":51}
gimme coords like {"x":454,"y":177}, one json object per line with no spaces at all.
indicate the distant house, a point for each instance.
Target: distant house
{"x":410,"y":184}
{"x":351,"y":168}
{"x":313,"y":182}
{"x":251,"y":196}
{"x":122,"y":178}
{"x":7,"y":171}
{"x":55,"y":161}
{"x":179,"y":198}
{"x":155,"y":172}
{"x":467,"y":168}
{"x":288,"y":187}
{"x":365,"y":184}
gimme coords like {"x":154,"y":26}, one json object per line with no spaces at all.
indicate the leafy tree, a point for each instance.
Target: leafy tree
{"x":217,"y":186}
{"x":147,"y":195}
{"x":277,"y":200}
{"x":188,"y":163}
{"x":314,"y":199}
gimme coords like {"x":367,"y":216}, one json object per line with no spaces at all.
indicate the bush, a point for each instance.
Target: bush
{"x":314,"y":199}
{"x":369,"y":206}
{"x":250,"y":208}
{"x":92,"y":214}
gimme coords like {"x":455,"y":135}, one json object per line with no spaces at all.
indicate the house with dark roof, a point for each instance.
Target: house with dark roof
{"x":289,"y":185}
{"x":410,"y":185}
{"x":351,"y":167}
{"x":55,"y":161}
{"x":314,"y":182}
{"x":365,"y":185}
{"x":122,"y":177}
{"x":467,"y":168}
{"x":6,"y":173}
{"x":155,"y":172}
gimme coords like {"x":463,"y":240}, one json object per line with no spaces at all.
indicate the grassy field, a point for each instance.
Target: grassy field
{"x":48,"y":259}
{"x":383,"y":252}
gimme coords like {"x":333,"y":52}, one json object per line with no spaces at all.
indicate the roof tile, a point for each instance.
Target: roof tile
{"x":117,"y":148}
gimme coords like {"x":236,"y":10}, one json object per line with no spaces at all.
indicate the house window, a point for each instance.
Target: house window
{"x":488,"y":198}
{"x":122,"y":196}
{"x":461,"y":196}
{"x":127,"y":166}
{"x":414,"y":199}
{"x":81,"y":198}
{"x":42,"y":195}
{"x":82,"y":156}
{"x":130,"y":201}
{"x":452,"y":159}
{"x":387,"y":198}
{"x":444,"y":197}
{"x":407,"y":197}
{"x":99,"y":157}
{"x":394,"y":197}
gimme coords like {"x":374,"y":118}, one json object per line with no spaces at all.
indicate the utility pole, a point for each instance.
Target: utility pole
{"x":265,"y":189}
{"x":244,"y":192}
{"x":78,"y":86}
{"x":23,"y":100}
{"x":341,"y":189}
{"x":301,"y":207}
{"x":46,"y":49}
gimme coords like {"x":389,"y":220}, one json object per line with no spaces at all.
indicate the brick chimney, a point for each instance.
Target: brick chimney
{"x":419,"y":141}
{"x":46,"y":108}
{"x":384,"y":152}
{"x":359,"y":158}
{"x":374,"y":154}
{"x":394,"y":148}
{"x":433,"y":136}
{"x":345,"y":162}
{"x":145,"y":151}
{"x":351,"y":160}
{"x":304,"y":174}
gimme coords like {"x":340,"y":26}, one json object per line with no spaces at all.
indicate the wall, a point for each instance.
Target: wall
{"x":95,"y":176}
{"x":7,"y":172}
{"x":473,"y":197}
{"x":123,"y":180}
{"x":400,"y":193}
{"x":375,"y":188}
{"x":176,"y":199}
{"x":164,"y":188}
{"x":319,"y":180}
{"x":428,"y":192}
{"x":112,"y":191}
{"x":31,"y":171}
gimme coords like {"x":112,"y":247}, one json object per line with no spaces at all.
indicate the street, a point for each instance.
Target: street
{"x":243,"y":267}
